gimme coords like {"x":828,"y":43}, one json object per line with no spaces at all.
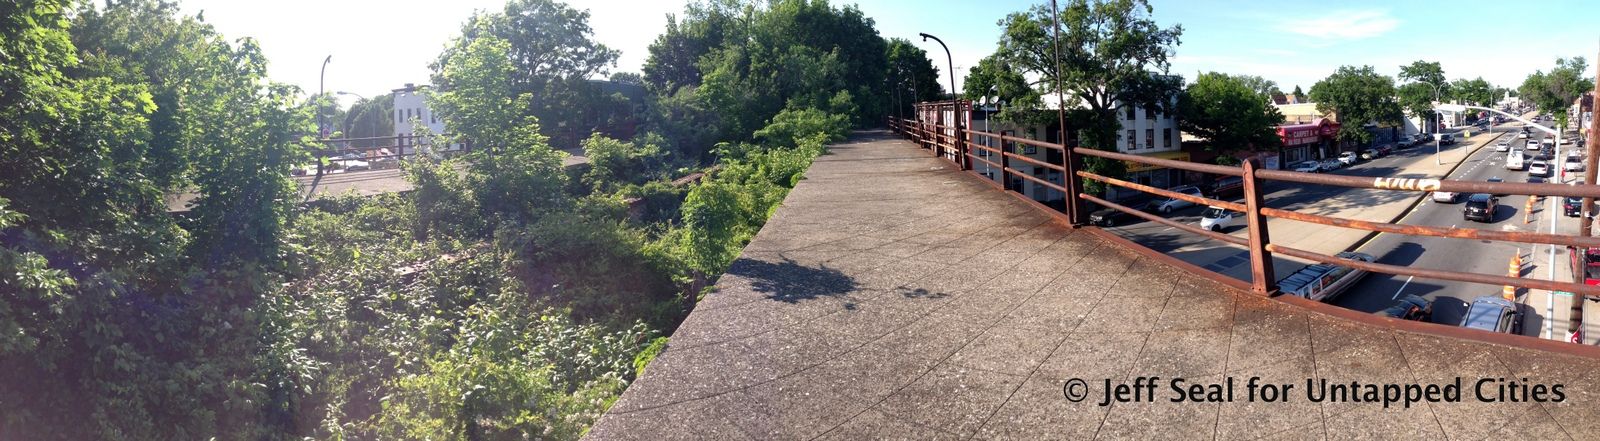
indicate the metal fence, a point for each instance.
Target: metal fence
{"x":384,"y":148}
{"x":946,"y":143}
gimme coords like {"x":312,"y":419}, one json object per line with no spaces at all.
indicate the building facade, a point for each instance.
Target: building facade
{"x":413,"y":119}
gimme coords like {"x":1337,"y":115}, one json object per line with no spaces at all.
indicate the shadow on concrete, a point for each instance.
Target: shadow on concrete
{"x":790,"y":282}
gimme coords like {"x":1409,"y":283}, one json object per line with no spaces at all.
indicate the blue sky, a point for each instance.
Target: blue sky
{"x":380,"y":45}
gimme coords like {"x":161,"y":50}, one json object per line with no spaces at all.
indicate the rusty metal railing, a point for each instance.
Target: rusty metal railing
{"x":1258,"y":241}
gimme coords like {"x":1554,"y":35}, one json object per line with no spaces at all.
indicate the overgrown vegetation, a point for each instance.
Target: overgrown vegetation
{"x":503,"y":298}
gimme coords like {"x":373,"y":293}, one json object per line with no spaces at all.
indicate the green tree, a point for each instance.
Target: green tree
{"x":1229,"y":111}
{"x":674,"y":60}
{"x":515,"y":176}
{"x":1299,"y":94}
{"x":552,"y":54}
{"x":1554,"y":92}
{"x":1022,"y":103}
{"x":1475,"y":91}
{"x":1357,"y":96}
{"x":369,"y":118}
{"x":912,"y":77}
{"x":1113,"y":55}
{"x":1426,"y":84}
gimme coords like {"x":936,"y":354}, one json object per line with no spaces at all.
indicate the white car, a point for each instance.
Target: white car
{"x":1514,"y":161}
{"x":1218,"y":219}
{"x":1531,"y":145}
{"x":1167,"y":205}
{"x":1538,"y":168}
{"x":1445,"y":196}
{"x":1503,"y":146}
{"x":1523,"y":135}
{"x":1307,"y":167}
{"x":1573,"y":164}
{"x":1348,"y":158}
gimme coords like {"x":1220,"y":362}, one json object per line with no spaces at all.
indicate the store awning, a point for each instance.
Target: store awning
{"x":1139,"y":167}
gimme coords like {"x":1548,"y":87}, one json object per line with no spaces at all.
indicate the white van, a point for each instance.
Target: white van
{"x":1514,"y":160}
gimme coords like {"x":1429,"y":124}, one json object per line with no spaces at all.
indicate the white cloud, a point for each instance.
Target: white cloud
{"x":1343,"y":25}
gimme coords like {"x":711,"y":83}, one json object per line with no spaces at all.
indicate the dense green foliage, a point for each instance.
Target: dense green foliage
{"x":1229,"y":112}
{"x":1357,"y":95}
{"x":1112,"y":55}
{"x":505,"y":297}
{"x":1553,"y":92}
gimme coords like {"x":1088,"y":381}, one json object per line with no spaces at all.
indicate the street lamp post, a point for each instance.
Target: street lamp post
{"x":955,"y":104}
{"x":322,"y":124}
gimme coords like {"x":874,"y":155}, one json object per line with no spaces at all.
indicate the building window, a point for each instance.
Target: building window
{"x":1150,"y":138}
{"x":1133,"y":141}
{"x":1130,"y":113}
{"x":1166,"y":138}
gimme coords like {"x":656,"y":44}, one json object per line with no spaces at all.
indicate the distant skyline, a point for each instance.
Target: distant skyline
{"x":383,"y":45}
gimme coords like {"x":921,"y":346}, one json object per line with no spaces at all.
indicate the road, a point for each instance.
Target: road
{"x":1233,"y":261}
{"x":1378,"y":291}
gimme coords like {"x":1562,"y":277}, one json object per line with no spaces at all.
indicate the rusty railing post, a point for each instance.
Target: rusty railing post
{"x":1005,"y":163}
{"x":1071,"y":163}
{"x":1262,"y":281}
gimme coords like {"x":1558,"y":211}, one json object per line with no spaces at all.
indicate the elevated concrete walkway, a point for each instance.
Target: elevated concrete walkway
{"x":893,"y":296}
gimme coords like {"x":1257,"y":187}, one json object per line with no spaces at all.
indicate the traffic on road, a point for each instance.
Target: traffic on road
{"x":1518,"y":155}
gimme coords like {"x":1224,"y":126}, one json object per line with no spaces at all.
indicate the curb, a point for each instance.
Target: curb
{"x":1418,"y":201}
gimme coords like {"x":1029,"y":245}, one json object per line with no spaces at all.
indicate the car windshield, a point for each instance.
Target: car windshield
{"x":1212,"y":213}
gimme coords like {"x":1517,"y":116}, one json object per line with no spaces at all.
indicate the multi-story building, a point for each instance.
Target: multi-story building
{"x":413,"y":119}
{"x":1149,"y":132}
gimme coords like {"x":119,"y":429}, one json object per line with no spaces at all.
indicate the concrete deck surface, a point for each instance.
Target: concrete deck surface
{"x":892,"y":296}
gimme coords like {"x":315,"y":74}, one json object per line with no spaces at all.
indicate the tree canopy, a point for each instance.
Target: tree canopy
{"x":1231,"y":112}
{"x":1357,"y":96}
{"x":1113,"y":55}
{"x":1553,"y":92}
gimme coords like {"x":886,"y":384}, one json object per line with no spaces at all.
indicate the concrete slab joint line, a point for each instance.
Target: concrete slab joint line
{"x":953,"y":312}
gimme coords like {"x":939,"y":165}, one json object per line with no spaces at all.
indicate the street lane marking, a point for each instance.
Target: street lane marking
{"x":1402,"y":288}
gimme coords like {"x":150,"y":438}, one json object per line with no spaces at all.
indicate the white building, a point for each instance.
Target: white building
{"x":411,"y":106}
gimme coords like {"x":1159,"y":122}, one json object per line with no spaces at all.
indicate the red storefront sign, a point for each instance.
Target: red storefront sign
{"x":1302,"y":134}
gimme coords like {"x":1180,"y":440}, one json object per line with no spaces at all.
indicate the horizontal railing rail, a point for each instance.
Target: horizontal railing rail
{"x":1002,"y":154}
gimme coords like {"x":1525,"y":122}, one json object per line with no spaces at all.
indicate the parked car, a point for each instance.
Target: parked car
{"x":1370,"y":154}
{"x":1493,"y":314}
{"x":1447,"y":139}
{"x":1573,"y":164}
{"x":1332,"y":164}
{"x":1572,"y":206}
{"x":1538,"y":168}
{"x":1307,"y":167}
{"x":1480,"y":207}
{"x":1219,"y":219}
{"x":1323,"y":282}
{"x":1348,"y":158}
{"x":1410,"y":307}
{"x":1227,"y":187}
{"x":1446,"y":196}
{"x":1169,"y":204}
{"x":1108,"y":217}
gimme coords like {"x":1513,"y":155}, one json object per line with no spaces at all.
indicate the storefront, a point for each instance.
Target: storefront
{"x":1144,"y":174}
{"x":1305,"y":142}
